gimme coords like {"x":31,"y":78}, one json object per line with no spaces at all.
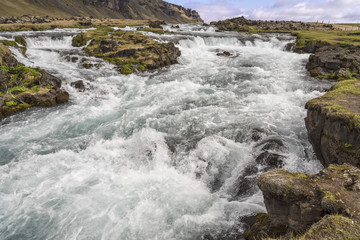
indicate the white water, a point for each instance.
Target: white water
{"x":152,"y":156}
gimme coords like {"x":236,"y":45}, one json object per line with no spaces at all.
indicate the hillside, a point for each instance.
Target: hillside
{"x":130,"y":9}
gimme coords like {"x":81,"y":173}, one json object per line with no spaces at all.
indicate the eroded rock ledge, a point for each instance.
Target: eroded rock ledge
{"x":333,"y":124}
{"x":24,"y":87}
{"x":305,"y":204}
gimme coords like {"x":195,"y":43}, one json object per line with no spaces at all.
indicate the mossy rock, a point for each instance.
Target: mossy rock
{"x":129,"y":50}
{"x":261,"y":228}
{"x":333,"y":227}
{"x":20,"y":40}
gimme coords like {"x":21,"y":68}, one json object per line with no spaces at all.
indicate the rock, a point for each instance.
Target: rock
{"x":334,"y":227}
{"x":156,"y":24}
{"x":296,"y":200}
{"x":43,"y":99}
{"x":108,"y":45}
{"x":261,"y":228}
{"x":78,"y":85}
{"x":224,"y":53}
{"x":49,"y":80}
{"x":333,"y":126}
{"x":271,"y":160}
{"x":2,"y":102}
{"x":4,"y":78}
{"x":334,"y":62}
{"x":62,"y":97}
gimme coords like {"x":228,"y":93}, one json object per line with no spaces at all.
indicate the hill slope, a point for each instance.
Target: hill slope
{"x":130,"y":9}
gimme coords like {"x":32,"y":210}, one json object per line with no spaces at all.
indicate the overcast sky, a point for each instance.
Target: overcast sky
{"x":303,"y":10}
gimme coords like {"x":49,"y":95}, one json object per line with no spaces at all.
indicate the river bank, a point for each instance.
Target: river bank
{"x":332,"y":122}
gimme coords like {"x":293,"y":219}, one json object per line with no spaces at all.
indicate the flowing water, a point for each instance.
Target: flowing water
{"x":171,"y":154}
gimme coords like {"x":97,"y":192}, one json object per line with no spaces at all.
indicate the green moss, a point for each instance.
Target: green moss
{"x":141,"y":68}
{"x":339,"y":38}
{"x":18,"y":89}
{"x":49,"y":87}
{"x":35,"y":89}
{"x":126,"y":70}
{"x":154,"y":30}
{"x":8,"y":43}
{"x":20,"y":40}
{"x":10,"y":103}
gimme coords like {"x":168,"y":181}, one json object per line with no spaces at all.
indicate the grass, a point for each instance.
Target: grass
{"x":340,"y":38}
{"x":154,"y":30}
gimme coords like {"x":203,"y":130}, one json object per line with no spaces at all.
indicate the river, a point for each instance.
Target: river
{"x":170,"y":154}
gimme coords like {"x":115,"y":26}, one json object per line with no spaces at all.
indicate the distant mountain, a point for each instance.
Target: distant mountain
{"x":130,"y":9}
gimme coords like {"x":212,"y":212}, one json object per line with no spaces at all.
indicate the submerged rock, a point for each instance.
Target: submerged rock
{"x":78,"y":85}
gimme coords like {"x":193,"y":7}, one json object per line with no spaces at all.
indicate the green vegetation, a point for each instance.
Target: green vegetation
{"x":154,"y":30}
{"x":82,"y":38}
{"x":126,"y":70}
{"x":20,"y":40}
{"x":340,"y":38}
{"x":11,"y":104}
{"x":333,"y":227}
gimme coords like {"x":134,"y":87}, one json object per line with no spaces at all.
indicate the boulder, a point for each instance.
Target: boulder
{"x":62,"y":97}
{"x":297,"y":200}
{"x":49,"y":80}
{"x":108,"y":45}
{"x":78,"y":85}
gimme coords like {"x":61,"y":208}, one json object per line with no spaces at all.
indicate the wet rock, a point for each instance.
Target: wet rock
{"x":271,"y":160}
{"x":71,"y":59}
{"x":271,"y":143}
{"x":297,"y":200}
{"x":62,"y":97}
{"x":78,"y":85}
{"x":43,"y":99}
{"x":257,"y":134}
{"x":224,"y":53}
{"x":49,"y":80}
{"x":245,"y":185}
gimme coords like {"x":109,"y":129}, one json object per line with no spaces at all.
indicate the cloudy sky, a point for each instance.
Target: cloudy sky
{"x":303,"y":10}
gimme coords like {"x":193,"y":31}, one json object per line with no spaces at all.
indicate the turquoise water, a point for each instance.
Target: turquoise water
{"x":163,"y":155}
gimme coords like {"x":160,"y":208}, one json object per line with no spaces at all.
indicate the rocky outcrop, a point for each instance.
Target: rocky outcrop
{"x":333,"y":124}
{"x":129,"y":50}
{"x":295,"y":201}
{"x":123,"y":9}
{"x":334,"y":62}
{"x":242,"y":24}
{"x":23,"y":87}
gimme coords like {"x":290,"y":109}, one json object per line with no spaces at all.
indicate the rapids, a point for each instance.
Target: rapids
{"x":169,"y":154}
